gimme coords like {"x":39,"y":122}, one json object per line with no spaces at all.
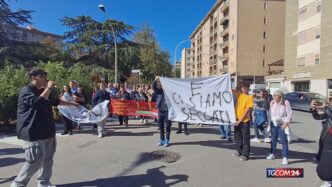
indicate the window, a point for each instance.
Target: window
{"x":319,"y":6}
{"x":264,"y":34}
{"x":301,"y":38}
{"x":265,"y":20}
{"x":264,"y":48}
{"x":317,"y":32}
{"x":265,"y":5}
{"x":317,"y":59}
{"x":264,"y":63}
{"x":301,"y":87}
{"x":300,"y":62}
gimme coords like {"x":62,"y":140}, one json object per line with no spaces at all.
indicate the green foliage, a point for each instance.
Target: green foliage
{"x":11,"y":81}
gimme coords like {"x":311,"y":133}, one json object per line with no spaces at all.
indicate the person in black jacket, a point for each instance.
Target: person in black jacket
{"x":320,"y":111}
{"x":36,"y":127}
{"x":162,"y":113}
{"x":123,"y":95}
{"x":101,"y":96}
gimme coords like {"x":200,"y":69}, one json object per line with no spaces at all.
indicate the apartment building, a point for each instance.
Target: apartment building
{"x":31,"y":34}
{"x":186,"y":66}
{"x":308,"y":46}
{"x":240,"y":37}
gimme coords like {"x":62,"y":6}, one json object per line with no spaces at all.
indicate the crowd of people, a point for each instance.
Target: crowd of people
{"x":266,"y":113}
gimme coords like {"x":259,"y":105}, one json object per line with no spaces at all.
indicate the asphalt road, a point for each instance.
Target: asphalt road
{"x":123,"y":158}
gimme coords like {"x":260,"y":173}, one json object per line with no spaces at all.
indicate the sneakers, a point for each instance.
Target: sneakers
{"x":256,"y":140}
{"x":100,"y":135}
{"x":223,"y":137}
{"x":142,"y":121}
{"x":270,"y":157}
{"x":47,"y":185}
{"x":186,"y":132}
{"x":267,"y":140}
{"x":244,"y":158}
{"x":236,"y":154}
{"x":284,"y":161}
{"x":64,"y":132}
{"x":178,"y":132}
{"x":166,"y":143}
{"x":161,"y":143}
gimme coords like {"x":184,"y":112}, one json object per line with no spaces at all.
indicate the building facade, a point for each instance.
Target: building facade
{"x":31,"y":34}
{"x":308,"y":46}
{"x":239,"y":37}
{"x":186,"y":67}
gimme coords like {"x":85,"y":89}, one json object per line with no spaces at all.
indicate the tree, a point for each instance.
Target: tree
{"x":21,"y":52}
{"x":152,"y":60}
{"x":91,"y":42}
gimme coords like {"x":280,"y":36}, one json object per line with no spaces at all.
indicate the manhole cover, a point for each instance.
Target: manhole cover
{"x":165,"y":156}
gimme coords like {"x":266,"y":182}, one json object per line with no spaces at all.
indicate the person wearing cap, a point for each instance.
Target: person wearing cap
{"x":244,"y":105}
{"x":280,"y":115}
{"x":36,"y":127}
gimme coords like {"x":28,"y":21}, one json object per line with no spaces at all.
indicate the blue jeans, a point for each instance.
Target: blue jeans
{"x":225,"y":130}
{"x":163,"y":121}
{"x":279,"y":132}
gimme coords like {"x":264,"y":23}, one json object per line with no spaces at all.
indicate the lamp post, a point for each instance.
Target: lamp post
{"x":254,"y":61}
{"x":102,"y":8}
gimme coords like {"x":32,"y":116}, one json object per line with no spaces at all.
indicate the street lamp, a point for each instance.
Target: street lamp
{"x":102,"y":8}
{"x":254,"y":61}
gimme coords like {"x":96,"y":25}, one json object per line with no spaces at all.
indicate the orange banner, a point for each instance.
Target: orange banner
{"x":133,"y":108}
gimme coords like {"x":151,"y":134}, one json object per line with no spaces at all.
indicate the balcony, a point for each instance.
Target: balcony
{"x":225,"y":32}
{"x":224,"y":20}
{"x":225,"y":7}
{"x":223,"y":69}
{"x":213,"y":62}
{"x":224,"y":44}
{"x":224,"y":57}
{"x":213,"y":51}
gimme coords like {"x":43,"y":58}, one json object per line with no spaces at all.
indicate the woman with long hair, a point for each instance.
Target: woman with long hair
{"x":123,"y":95}
{"x":66,"y":95}
{"x":261,"y":108}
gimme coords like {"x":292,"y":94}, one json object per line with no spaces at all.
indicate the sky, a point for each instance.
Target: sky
{"x":172,"y":20}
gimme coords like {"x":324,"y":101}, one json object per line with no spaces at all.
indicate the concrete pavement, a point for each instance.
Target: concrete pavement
{"x":123,"y":158}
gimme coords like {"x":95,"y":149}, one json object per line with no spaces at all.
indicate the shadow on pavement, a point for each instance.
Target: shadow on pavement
{"x":258,"y":152}
{"x":153,"y":177}
{"x":5,"y":180}
{"x":4,"y":162}
{"x":11,"y":151}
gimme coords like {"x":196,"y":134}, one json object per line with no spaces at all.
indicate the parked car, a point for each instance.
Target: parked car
{"x":302,"y":100}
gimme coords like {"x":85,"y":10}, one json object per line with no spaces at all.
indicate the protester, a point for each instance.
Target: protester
{"x":280,"y":116}
{"x":73,"y":86}
{"x":123,"y":95}
{"x":66,"y":95}
{"x":36,"y":127}
{"x":142,"y":97}
{"x":162,"y":113}
{"x":244,"y":105}
{"x":79,"y":98}
{"x":185,"y":128}
{"x":323,"y":111}
{"x":261,"y":107}
{"x":101,"y":96}
{"x":111,"y":90}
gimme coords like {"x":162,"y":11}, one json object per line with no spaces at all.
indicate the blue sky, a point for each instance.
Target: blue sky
{"x":172,"y":20}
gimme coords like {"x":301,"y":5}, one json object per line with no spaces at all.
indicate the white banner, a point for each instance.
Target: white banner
{"x":82,"y":115}
{"x":207,"y":100}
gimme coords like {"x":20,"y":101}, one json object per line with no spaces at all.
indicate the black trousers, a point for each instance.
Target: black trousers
{"x":242,"y":138}
{"x":185,"y":125}
{"x":324,"y":167}
{"x":68,"y":125}
{"x":321,"y":141}
{"x":162,"y":121}
{"x":123,"y":118}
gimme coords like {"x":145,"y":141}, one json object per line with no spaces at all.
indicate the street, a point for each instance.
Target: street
{"x":123,"y":158}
